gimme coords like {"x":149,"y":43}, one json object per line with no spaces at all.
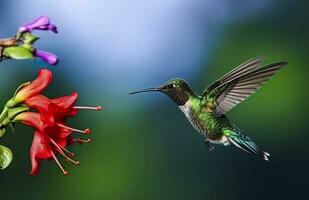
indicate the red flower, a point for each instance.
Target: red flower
{"x":51,"y":135}
{"x":33,"y":88}
{"x":45,"y":144}
{"x":56,"y":111}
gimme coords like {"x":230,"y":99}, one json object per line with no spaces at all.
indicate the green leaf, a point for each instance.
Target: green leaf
{"x":28,"y":38}
{"x":6,"y":157}
{"x":28,"y":46}
{"x":17,"y":53}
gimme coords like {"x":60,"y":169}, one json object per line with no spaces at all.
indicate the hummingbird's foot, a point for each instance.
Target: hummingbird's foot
{"x":209,"y":146}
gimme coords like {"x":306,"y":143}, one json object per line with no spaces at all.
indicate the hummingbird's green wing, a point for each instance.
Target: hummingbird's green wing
{"x":242,"y":69}
{"x":237,"y":85}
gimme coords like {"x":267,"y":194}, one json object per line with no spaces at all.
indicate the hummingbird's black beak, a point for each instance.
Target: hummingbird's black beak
{"x":145,"y":90}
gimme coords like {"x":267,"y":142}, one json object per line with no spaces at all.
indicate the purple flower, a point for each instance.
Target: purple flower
{"x":48,"y":57}
{"x":41,"y":23}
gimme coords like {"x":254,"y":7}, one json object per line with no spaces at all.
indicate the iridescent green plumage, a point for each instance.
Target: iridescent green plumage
{"x":206,"y":112}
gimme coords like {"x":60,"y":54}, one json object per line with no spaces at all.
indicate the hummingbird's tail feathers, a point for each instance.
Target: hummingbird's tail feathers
{"x":245,"y":143}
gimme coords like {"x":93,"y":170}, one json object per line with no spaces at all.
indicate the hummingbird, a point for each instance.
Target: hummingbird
{"x":206,"y":112}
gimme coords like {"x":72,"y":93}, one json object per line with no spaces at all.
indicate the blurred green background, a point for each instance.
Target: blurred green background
{"x":143,"y":146}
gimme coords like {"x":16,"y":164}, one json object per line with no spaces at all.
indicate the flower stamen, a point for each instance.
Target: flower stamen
{"x":72,"y":161}
{"x":81,"y":141}
{"x":88,"y":107}
{"x":69,"y":152}
{"x":62,"y":148}
{"x":58,"y":163}
{"x":59,"y":148}
{"x":86,"y":131}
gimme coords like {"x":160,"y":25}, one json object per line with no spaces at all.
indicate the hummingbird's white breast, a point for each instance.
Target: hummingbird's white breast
{"x":187,"y":110}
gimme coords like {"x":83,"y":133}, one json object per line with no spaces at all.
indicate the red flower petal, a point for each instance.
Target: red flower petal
{"x":31,"y":119}
{"x":63,"y":104}
{"x":35,"y":87}
{"x":41,"y":103}
{"x":40,"y":149}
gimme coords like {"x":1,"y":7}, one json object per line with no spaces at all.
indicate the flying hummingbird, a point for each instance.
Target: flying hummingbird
{"x":206,"y":113}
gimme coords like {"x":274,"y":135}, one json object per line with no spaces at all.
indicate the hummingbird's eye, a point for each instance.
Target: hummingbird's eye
{"x":170,"y":86}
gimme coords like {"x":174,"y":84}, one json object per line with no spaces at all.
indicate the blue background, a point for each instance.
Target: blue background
{"x":143,"y":146}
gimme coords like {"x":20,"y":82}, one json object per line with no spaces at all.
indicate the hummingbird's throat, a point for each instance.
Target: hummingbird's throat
{"x":180,"y":98}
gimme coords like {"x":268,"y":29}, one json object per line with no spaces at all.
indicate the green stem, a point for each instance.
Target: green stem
{"x":4,"y":113}
{"x":13,"y":112}
{"x":8,"y":114}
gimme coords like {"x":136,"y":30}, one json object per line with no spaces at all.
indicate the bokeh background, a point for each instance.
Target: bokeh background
{"x":143,"y":146}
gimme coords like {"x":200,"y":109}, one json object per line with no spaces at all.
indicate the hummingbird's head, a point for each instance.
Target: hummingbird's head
{"x":177,"y":89}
